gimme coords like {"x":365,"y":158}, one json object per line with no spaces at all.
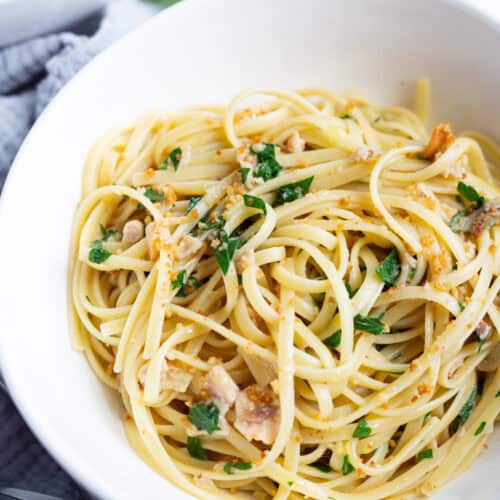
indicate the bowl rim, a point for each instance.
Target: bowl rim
{"x":64,"y":454}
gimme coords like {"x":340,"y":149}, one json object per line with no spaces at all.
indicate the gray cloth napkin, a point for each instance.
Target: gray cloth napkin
{"x":31,"y":73}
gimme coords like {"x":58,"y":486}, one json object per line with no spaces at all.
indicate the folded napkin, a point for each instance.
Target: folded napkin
{"x":31,"y":73}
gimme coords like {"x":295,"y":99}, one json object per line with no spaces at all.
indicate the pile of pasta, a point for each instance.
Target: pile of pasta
{"x":296,"y":295}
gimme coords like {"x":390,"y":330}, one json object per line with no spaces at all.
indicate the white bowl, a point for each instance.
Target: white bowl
{"x":203,"y":51}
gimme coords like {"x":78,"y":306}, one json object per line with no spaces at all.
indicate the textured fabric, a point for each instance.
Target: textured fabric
{"x":31,"y":73}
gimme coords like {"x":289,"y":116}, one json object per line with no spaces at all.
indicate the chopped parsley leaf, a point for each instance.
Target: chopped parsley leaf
{"x":255,"y":202}
{"x":193,"y":202}
{"x":153,"y":196}
{"x":470,"y":194}
{"x":480,"y":428}
{"x":460,"y":222}
{"x":205,"y":417}
{"x":497,"y":395}
{"x":461,"y":305}
{"x":368,"y":324}
{"x":97,"y":253}
{"x":389,"y":269}
{"x":464,"y":413}
{"x":226,"y":249}
{"x":321,"y":467}
{"x":347,"y":468}
{"x":424,"y":454}
{"x":236,"y":465}
{"x":480,"y":344}
{"x":195,"y":448}
{"x":362,"y":430}
{"x":244,"y":174}
{"x":347,"y":116}
{"x":185,"y":284}
{"x":173,"y":159}
{"x":334,"y":339}
{"x":289,"y":483}
{"x":108,"y":233}
{"x":293,"y":191}
{"x":267,"y":165}
{"x":350,"y":291}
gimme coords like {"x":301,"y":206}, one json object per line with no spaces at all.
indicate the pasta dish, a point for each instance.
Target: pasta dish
{"x":296,"y":295}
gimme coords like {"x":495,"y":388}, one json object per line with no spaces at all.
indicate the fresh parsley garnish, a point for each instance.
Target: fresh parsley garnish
{"x":192,"y":284}
{"x":480,"y":428}
{"x":185,"y":283}
{"x":362,"y":430}
{"x":464,"y":413}
{"x":334,"y":339}
{"x":173,"y":159}
{"x":347,"y":468}
{"x":350,"y":291}
{"x":205,"y":417}
{"x":480,"y":344}
{"x":208,"y":222}
{"x":293,"y":191}
{"x":97,"y":253}
{"x":228,"y":468}
{"x":226,"y":249}
{"x":244,"y":174}
{"x":193,"y":202}
{"x":470,"y":194}
{"x":424,"y":454}
{"x":389,"y":269}
{"x":195,"y":448}
{"x":497,"y":395}
{"x":108,"y":233}
{"x":368,"y":324}
{"x":267,"y":165}
{"x":153,"y":196}
{"x":255,"y":202}
{"x":321,"y":467}
{"x":461,"y":305}
{"x":460,"y":222}
{"x":289,"y":483}
{"x":347,"y":116}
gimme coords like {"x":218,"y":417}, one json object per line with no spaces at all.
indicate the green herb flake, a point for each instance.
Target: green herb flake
{"x":334,"y":339}
{"x":480,"y":428}
{"x":470,"y":194}
{"x":224,"y":253}
{"x":389,"y":269}
{"x":289,"y":483}
{"x":368,"y":324}
{"x":228,"y":468}
{"x":497,"y":395}
{"x":321,"y":467}
{"x":244,"y":174}
{"x":192,"y":283}
{"x":480,"y":344}
{"x":205,"y":417}
{"x":293,"y":191}
{"x":193,"y":202}
{"x":461,"y":305}
{"x":362,"y":430}
{"x":108,"y":233}
{"x":464,"y":413}
{"x":347,"y":468}
{"x":460,"y":222}
{"x":195,"y":449}
{"x":153,"y":196}
{"x":180,"y":280}
{"x":97,"y":253}
{"x":424,"y":454}
{"x":347,"y":116}
{"x":255,"y":202}
{"x":173,"y":159}
{"x":267,"y":165}
{"x":239,"y":278}
{"x":350,"y":290}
